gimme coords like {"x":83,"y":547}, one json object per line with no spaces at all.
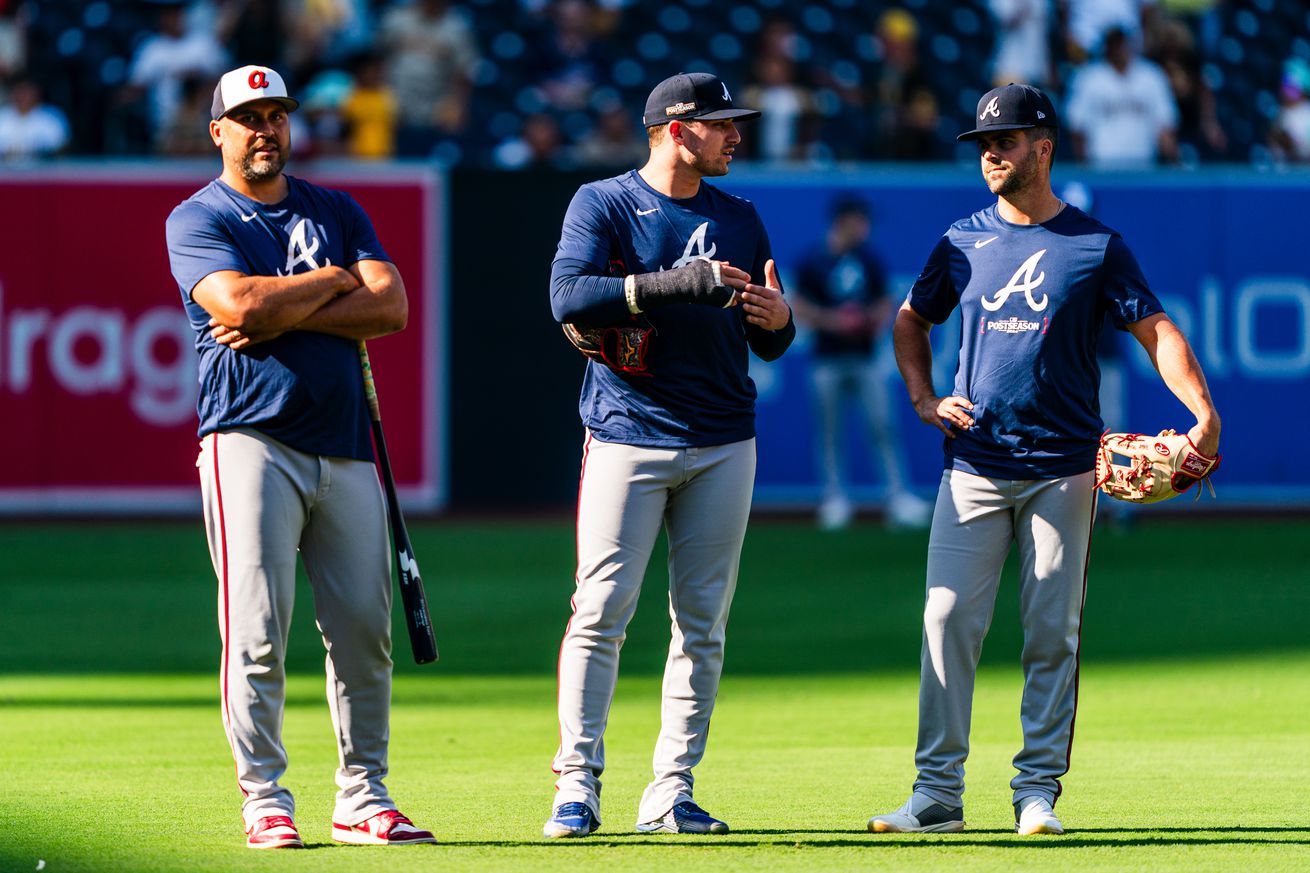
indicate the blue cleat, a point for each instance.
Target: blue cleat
{"x":684,"y":818}
{"x":571,"y":820}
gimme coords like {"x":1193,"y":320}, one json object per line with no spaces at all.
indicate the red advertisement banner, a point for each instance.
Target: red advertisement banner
{"x":97,"y":363}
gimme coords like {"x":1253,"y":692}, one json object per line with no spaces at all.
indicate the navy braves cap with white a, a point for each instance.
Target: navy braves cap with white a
{"x":1012,"y":107}
{"x":686,"y":96}
{"x":247,"y":84}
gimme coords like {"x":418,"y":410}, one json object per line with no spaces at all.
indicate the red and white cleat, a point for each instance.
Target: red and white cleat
{"x":387,"y":828}
{"x":274,"y":832}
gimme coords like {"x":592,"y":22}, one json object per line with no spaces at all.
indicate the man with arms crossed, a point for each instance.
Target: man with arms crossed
{"x":280,"y":279}
{"x":670,"y":436}
{"x":1034,"y":278}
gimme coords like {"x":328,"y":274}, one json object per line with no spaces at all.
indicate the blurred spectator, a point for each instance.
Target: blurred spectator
{"x":320,"y":112}
{"x":784,"y":131}
{"x":904,"y":102}
{"x":567,"y":58}
{"x":1089,"y":21}
{"x":329,"y":32}
{"x":255,"y":32}
{"x":916,"y":137}
{"x":538,"y":145}
{"x":870,"y":97}
{"x":1290,"y":136}
{"x":841,"y":295}
{"x":1121,"y":110}
{"x":1022,"y":42}
{"x":369,"y":112}
{"x":187,"y":133}
{"x":13,"y":49}
{"x":843,"y":118}
{"x":1200,"y":135}
{"x":778,"y":37}
{"x":617,"y":141}
{"x":433,"y":57}
{"x":1203,"y":18}
{"x":165,"y":57}
{"x":28,"y":127}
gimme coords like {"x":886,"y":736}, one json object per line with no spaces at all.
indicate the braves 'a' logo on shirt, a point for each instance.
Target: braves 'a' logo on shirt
{"x":695,"y":249}
{"x":301,"y":248}
{"x":1022,"y":280}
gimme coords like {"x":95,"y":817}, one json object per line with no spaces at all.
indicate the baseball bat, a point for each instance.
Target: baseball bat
{"x":422,"y":640}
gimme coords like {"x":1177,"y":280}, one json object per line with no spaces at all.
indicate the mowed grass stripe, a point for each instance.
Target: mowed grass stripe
{"x":137,"y":598}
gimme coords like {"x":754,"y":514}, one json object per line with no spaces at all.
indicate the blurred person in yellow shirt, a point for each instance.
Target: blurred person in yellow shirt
{"x":370,"y":113}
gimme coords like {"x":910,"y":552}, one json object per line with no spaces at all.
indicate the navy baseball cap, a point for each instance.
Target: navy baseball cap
{"x":246,"y":85}
{"x":1012,"y":107}
{"x":687,"y":96}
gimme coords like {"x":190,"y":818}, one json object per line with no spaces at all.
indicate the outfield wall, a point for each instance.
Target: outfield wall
{"x":1225,"y":251}
{"x":97,"y":368}
{"x":479,"y":395}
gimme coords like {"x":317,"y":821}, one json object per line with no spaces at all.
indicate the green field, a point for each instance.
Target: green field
{"x":1192,"y":750}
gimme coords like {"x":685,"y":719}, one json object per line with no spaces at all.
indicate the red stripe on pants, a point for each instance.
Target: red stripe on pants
{"x":223,"y":584}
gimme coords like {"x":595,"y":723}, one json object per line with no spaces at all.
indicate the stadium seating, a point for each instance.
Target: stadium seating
{"x":81,"y":53}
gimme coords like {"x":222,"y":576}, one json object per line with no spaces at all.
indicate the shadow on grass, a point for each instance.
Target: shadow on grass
{"x":997,"y":838}
{"x":1009,"y":832}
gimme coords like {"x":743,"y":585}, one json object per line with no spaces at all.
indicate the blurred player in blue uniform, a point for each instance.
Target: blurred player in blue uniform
{"x":841,"y":295}
{"x":280,"y":279}
{"x":1034,"y":279}
{"x":670,"y":438}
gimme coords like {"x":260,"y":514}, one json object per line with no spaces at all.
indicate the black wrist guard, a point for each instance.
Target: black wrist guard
{"x":699,"y":282}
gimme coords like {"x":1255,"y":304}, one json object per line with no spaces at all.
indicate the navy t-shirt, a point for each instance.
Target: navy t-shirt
{"x":829,"y":280}
{"x":1033,"y":300}
{"x":696,"y":390}
{"x":303,"y":389}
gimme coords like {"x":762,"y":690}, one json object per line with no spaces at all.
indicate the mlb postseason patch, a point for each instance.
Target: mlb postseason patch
{"x":1015,"y":324}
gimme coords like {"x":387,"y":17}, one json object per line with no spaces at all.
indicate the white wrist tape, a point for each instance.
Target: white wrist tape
{"x":630,"y":294}
{"x":718,"y":280}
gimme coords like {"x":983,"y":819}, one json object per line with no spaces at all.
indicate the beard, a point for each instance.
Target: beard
{"x":1023,"y":172}
{"x":709,"y":166}
{"x":261,"y":170}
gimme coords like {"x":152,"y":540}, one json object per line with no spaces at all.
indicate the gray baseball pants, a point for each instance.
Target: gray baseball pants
{"x":264,"y":502}
{"x":855,"y":376}
{"x":702,"y":498}
{"x":975,"y":521}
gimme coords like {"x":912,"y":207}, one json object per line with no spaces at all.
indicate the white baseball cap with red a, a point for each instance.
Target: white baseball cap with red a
{"x":247,"y":84}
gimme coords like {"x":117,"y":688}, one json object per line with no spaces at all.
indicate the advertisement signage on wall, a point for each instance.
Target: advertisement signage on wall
{"x":1220,"y":250}
{"x":97,"y":363}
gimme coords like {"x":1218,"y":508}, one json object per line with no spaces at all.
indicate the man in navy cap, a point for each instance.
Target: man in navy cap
{"x":1034,"y":279}
{"x":683,"y":274}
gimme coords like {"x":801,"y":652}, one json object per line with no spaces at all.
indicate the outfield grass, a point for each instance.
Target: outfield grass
{"x":1191,"y":749}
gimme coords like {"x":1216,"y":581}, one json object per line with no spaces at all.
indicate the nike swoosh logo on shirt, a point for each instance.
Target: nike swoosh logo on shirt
{"x":984,"y":242}
{"x":648,"y":211}
{"x":251,"y":217}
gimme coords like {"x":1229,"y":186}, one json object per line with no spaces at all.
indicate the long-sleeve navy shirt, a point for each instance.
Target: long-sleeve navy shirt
{"x":696,"y":389}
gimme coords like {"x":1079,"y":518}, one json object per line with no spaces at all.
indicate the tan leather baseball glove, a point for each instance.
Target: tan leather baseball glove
{"x":621,"y":347}
{"x":1159,"y":467}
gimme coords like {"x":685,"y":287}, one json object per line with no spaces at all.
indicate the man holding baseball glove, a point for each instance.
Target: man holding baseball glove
{"x":281,"y":279}
{"x":666,"y":284}
{"x":1034,"y":279}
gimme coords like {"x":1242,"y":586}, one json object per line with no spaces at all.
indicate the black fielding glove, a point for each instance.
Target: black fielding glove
{"x":699,"y":282}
